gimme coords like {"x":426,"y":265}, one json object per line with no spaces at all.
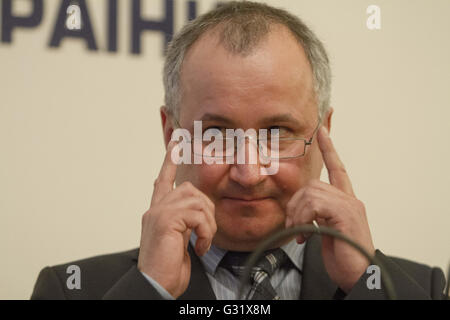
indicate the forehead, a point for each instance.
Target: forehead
{"x":273,"y":79}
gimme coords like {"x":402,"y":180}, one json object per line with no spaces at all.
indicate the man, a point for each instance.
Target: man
{"x":247,"y":66}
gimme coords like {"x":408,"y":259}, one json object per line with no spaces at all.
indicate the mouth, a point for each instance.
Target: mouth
{"x":246,"y":200}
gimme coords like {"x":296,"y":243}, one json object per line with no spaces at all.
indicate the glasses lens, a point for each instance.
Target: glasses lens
{"x":217,"y":148}
{"x":283,"y":149}
{"x":226,"y":148}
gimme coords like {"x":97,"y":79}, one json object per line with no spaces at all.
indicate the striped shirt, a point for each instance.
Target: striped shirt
{"x":286,"y":281}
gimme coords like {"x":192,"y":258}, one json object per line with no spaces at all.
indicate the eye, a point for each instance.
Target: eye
{"x":214,"y":130}
{"x":214,"y":127}
{"x":282,"y":131}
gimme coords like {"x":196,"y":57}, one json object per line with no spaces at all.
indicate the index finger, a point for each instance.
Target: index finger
{"x":336,"y":169}
{"x":166,"y":178}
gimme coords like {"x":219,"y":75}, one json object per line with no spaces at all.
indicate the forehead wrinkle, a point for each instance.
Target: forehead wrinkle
{"x":207,"y":47}
{"x":208,"y":86}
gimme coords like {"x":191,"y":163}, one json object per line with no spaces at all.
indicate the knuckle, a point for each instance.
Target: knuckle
{"x":315,"y":183}
{"x":341,"y":168}
{"x":187,"y":184}
{"x":309,"y":192}
{"x":313,"y":204}
{"x":361,"y":206}
{"x":210,"y":234}
{"x":187,"y":187}
{"x":201,"y":204}
{"x":204,"y":201}
{"x":145,"y":218}
{"x":211,"y":203}
{"x":289,"y":207}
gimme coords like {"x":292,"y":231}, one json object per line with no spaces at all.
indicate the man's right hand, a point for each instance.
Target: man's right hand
{"x":167,"y":226}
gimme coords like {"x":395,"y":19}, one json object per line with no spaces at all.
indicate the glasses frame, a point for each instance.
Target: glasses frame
{"x":308,"y":142}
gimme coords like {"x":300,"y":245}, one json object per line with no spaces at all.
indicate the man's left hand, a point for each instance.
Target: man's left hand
{"x":334,"y":205}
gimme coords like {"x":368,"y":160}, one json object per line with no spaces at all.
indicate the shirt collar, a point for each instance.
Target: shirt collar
{"x":212,"y":258}
{"x":215,"y":254}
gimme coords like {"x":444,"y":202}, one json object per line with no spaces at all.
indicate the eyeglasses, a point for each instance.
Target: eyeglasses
{"x":217,"y":145}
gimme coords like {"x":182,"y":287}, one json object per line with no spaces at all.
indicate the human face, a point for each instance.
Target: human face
{"x":270,"y":88}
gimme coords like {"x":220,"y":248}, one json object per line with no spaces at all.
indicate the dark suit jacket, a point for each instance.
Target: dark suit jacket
{"x":116,"y":276}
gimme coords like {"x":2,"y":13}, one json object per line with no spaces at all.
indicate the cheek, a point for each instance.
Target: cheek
{"x":288,"y":180}
{"x":295,"y":174}
{"x":204,"y":177}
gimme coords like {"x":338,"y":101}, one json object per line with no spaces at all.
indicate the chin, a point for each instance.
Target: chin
{"x":244,"y":231}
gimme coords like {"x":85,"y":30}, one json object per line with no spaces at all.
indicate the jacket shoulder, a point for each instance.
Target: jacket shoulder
{"x":97,"y":275}
{"x":431,"y":279}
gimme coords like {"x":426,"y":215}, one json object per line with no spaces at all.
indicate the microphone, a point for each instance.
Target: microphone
{"x":255,"y":256}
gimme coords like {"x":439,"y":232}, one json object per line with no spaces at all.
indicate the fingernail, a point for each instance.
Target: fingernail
{"x":205,"y":247}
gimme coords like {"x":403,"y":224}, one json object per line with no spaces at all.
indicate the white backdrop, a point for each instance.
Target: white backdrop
{"x":81,"y":141}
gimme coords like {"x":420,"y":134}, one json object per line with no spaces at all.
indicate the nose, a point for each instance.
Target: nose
{"x":247,"y":175}
{"x":246,"y":171}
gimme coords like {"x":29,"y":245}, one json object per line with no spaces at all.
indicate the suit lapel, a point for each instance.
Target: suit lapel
{"x":199,"y":287}
{"x":316,"y":284}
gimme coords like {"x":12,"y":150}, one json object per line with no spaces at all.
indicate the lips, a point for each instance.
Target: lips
{"x":246,"y":199}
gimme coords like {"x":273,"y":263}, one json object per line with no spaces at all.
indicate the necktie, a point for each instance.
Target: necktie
{"x":261,"y":288}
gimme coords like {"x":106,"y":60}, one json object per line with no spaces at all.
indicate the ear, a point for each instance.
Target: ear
{"x":327,"y":119}
{"x":167,"y":124}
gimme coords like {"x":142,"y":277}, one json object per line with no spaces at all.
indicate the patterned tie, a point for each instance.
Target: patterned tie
{"x":261,"y":288}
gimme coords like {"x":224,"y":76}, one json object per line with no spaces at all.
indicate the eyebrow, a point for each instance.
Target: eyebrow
{"x":279,"y":118}
{"x":283,"y":118}
{"x":216,"y":117}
